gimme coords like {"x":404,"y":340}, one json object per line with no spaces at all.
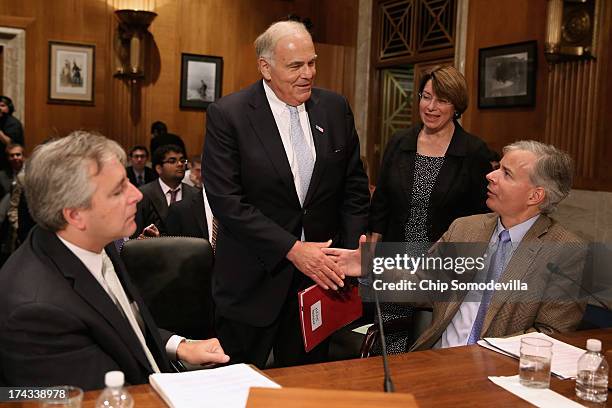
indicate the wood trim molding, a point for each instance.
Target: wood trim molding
{"x":16,"y":22}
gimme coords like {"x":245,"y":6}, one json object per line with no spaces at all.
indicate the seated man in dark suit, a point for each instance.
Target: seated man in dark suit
{"x":69,"y":313}
{"x":187,"y":218}
{"x":138,"y":173}
{"x":169,"y":163}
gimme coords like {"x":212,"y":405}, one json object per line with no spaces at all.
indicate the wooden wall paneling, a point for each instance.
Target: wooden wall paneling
{"x":336,"y":69}
{"x":61,"y":20}
{"x":124,"y":111}
{"x":576,"y":110}
{"x":525,"y":21}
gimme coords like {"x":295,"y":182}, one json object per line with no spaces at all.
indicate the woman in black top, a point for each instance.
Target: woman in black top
{"x":431,"y":174}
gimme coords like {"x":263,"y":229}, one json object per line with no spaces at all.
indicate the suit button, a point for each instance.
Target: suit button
{"x":305,"y":212}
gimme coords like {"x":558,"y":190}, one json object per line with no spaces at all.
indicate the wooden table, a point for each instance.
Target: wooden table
{"x":454,"y":377}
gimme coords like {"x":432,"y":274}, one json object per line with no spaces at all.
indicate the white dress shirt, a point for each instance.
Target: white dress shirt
{"x":208,"y":213}
{"x":458,"y":330}
{"x":282,"y":117}
{"x":166,"y":190}
{"x":93,"y":263}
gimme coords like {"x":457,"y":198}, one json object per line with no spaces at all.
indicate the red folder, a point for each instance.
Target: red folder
{"x":322,"y":312}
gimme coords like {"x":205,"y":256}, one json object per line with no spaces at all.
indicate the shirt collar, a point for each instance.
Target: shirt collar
{"x":276,"y":104}
{"x":517,"y":233}
{"x":91,"y":260}
{"x":165,"y":188}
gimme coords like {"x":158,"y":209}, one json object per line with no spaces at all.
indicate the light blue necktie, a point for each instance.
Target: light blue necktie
{"x":495,"y":270}
{"x":301,"y":151}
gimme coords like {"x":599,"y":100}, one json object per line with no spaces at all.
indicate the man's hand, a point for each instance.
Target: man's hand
{"x":202,"y":352}
{"x":312,"y":262}
{"x":149,"y":232}
{"x":348,"y":260}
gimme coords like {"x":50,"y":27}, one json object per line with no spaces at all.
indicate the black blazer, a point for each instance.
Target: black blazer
{"x":59,"y":326}
{"x":250,"y":188}
{"x":187,"y":218}
{"x":149,"y":175}
{"x":460,"y":189}
{"x":153,"y":208}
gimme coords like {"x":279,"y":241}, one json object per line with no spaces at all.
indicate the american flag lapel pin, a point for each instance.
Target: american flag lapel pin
{"x":319,"y":128}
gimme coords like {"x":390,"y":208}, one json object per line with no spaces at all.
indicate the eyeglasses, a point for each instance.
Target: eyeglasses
{"x":428,"y":98}
{"x":174,"y":160}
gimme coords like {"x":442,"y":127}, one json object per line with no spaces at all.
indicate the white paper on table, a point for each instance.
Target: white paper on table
{"x":226,"y":387}
{"x":540,"y":397}
{"x":486,"y":345}
{"x":362,"y":329}
{"x":564,"y":356}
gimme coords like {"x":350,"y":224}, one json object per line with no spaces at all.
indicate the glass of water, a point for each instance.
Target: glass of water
{"x":534,"y":365}
{"x":66,"y":396}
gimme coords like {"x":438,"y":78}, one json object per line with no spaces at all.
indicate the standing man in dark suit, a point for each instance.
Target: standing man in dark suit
{"x":169,"y":163}
{"x":138,"y":173}
{"x":283,"y":176}
{"x":69,"y":312}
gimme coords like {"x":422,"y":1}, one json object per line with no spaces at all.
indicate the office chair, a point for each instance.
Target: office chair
{"x":595,"y":317}
{"x":414,"y":324}
{"x":173,"y":275}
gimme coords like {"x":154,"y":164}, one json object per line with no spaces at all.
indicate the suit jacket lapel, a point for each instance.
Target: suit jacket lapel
{"x":264,"y":126}
{"x":318,"y":124}
{"x":519,"y":266}
{"x":90,"y":290}
{"x":407,"y":164}
{"x":158,"y":200}
{"x":199,"y":212}
{"x":450,"y":168}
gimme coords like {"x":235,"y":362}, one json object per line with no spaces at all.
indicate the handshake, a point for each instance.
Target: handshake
{"x":327,"y":267}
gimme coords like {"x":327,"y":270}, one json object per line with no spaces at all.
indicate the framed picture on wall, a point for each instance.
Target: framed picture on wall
{"x":71,"y":73}
{"x":201,"y":78}
{"x":506,"y":75}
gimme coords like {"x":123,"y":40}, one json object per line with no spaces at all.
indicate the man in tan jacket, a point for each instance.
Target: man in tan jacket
{"x":523,"y":245}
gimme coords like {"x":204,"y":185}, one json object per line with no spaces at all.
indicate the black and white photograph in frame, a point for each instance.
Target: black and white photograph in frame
{"x":507,"y":75}
{"x":201,"y":78}
{"x":71,"y":73}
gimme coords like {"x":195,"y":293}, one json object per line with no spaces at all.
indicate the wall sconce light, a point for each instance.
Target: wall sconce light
{"x":130,"y":42}
{"x":571,"y":30}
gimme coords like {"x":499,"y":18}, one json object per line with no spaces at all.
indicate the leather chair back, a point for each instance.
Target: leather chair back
{"x":173,"y":275}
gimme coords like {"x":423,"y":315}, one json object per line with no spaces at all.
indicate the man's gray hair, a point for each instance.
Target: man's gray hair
{"x":266,"y":42}
{"x":552,"y":171}
{"x":59,"y":175}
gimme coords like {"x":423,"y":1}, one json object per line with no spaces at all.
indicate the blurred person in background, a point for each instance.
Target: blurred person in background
{"x":11,"y":129}
{"x":138,"y":173}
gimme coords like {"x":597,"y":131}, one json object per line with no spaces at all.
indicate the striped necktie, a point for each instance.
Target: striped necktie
{"x":495,"y":271}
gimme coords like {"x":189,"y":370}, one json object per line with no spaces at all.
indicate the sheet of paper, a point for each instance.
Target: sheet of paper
{"x":226,"y":387}
{"x":362,"y":329}
{"x":565,"y":356}
{"x":490,"y":347}
{"x":543,"y":398}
